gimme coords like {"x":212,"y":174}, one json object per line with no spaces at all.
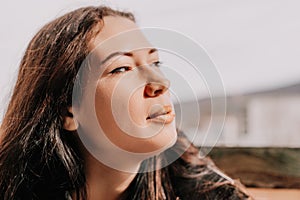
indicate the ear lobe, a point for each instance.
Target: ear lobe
{"x":70,"y":123}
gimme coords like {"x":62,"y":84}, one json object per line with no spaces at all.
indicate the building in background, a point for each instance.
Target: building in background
{"x":261,"y":119}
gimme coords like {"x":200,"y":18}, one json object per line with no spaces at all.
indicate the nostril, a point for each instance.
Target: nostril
{"x":154,"y":90}
{"x":146,"y":95}
{"x":158,"y":92}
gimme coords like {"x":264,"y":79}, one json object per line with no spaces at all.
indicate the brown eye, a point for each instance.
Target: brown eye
{"x":157,"y":64}
{"x":120,"y":70}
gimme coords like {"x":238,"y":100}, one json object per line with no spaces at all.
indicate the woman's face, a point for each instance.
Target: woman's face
{"x":132,"y":100}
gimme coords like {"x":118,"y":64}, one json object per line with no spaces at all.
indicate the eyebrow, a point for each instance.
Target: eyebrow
{"x":122,"y":53}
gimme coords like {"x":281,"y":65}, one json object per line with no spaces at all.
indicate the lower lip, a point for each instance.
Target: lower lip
{"x":166,"y":118}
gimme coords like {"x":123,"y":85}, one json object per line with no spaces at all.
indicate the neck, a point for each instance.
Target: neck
{"x":104,"y":182}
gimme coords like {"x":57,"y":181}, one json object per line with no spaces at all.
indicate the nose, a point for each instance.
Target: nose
{"x":156,"y":88}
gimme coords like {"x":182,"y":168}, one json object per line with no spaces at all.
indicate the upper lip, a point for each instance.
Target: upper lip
{"x":165,"y":110}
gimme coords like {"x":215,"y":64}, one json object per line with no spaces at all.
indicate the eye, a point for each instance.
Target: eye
{"x":156,"y":64}
{"x":120,"y":70}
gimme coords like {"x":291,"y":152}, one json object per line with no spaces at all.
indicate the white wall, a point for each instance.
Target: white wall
{"x":274,"y":121}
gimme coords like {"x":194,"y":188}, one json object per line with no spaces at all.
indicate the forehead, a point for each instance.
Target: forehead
{"x":119,"y":34}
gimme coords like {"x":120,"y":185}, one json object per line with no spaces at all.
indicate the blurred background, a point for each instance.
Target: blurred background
{"x":255,"y":46}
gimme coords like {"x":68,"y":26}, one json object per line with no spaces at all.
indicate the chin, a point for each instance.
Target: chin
{"x":162,"y":141}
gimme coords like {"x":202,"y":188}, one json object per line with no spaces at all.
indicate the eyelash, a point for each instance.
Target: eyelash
{"x":128,"y":68}
{"x":157,"y":63}
{"x":117,"y":70}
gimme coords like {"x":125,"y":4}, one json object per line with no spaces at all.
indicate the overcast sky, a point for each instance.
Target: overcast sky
{"x":255,"y":44}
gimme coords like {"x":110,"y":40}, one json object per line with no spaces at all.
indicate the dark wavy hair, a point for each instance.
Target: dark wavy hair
{"x":41,"y":160}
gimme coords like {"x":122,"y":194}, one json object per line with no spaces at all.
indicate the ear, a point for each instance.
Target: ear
{"x":70,"y":123}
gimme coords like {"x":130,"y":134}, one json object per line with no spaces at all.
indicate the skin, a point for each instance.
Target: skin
{"x":132,"y":112}
{"x":140,"y":89}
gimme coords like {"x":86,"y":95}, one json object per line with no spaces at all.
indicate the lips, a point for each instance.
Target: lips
{"x":161,"y":114}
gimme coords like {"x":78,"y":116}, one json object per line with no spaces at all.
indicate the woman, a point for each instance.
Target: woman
{"x":43,"y":149}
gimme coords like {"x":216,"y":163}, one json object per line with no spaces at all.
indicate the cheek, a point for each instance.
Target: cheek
{"x":123,"y":104}
{"x":137,"y":108}
{"x":103,"y":102}
{"x":121,"y":101}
